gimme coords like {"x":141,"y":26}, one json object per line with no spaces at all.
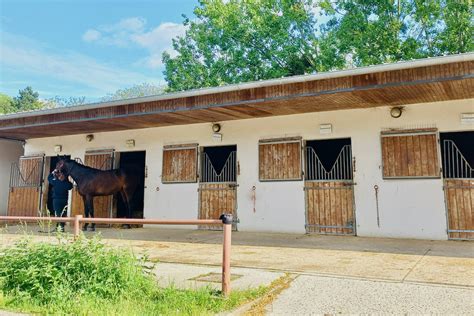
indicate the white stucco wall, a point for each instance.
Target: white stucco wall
{"x":10,"y":151}
{"x":408,"y":208}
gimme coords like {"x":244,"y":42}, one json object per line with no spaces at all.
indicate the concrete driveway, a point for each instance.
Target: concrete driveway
{"x":332,"y":272}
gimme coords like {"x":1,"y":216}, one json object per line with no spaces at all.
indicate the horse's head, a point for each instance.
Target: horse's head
{"x":64,"y":165}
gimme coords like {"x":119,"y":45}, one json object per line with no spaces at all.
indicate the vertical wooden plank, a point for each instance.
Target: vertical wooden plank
{"x":432,"y":146}
{"x":417,"y":153}
{"x":410,"y":156}
{"x":471,"y":213}
{"x":327,"y":205}
{"x":391,"y":156}
{"x":313,"y":219}
{"x":397,"y":152}
{"x":453,"y":214}
{"x":337,"y":206}
{"x":460,"y":206}
{"x":403,"y":156}
{"x":466,"y":210}
{"x":424,"y":155}
{"x":385,"y":155}
{"x":261,"y":160}
{"x":350,"y":207}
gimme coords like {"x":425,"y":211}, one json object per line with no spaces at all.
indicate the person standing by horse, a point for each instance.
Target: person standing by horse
{"x":60,"y":186}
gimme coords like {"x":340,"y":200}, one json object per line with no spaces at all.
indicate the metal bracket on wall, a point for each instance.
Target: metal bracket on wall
{"x":376,"y":188}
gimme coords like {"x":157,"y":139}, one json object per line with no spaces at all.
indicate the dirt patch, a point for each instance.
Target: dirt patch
{"x":275,"y":288}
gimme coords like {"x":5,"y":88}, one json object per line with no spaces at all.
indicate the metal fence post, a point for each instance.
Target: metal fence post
{"x":77,"y":226}
{"x":227,"y":223}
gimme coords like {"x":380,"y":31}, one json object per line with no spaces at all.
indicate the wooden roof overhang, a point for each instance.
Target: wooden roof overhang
{"x":377,"y":87}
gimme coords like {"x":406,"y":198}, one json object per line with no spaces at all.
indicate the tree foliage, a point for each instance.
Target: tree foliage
{"x":27,"y":100}
{"x":136,"y":91}
{"x":58,"y":101}
{"x":233,"y":41}
{"x":6,"y":104}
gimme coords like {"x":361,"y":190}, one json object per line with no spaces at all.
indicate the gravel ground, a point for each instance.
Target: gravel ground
{"x":327,"y":295}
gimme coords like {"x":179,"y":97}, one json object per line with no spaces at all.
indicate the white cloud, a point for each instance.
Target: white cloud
{"x":160,"y":36}
{"x":132,"y":31}
{"x":24,"y":55}
{"x":91,"y":35}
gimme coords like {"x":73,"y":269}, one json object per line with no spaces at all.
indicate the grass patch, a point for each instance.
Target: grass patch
{"x":85,"y":277}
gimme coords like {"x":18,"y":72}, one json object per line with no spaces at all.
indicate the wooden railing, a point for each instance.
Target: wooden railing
{"x":77,"y":221}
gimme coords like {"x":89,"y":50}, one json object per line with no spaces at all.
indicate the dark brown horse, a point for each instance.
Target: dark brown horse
{"x":94,"y":182}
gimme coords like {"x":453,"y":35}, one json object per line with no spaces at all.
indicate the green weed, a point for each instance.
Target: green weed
{"x":86,"y":277}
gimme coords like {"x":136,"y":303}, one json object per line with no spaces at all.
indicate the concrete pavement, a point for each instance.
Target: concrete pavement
{"x":333,"y":274}
{"x":329,"y":296}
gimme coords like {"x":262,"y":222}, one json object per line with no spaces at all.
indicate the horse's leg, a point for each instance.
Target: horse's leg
{"x":91,"y":210}
{"x":127,"y":205}
{"x":86,"y":212}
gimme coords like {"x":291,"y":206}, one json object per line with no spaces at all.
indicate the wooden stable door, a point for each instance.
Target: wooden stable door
{"x":329,"y":189}
{"x":459,"y":184}
{"x":216,"y":199}
{"x":103,"y":160}
{"x":460,"y":207}
{"x":25,"y":187}
{"x":218,"y":184}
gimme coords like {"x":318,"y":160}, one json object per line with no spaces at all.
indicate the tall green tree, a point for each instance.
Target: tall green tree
{"x":6,"y":104}
{"x":236,"y":41}
{"x":27,"y":100}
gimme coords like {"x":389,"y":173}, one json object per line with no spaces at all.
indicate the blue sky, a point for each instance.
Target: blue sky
{"x":85,"y":48}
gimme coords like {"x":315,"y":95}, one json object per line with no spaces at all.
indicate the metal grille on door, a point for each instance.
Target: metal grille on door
{"x":25,"y":186}
{"x":459,"y":191}
{"x":329,"y":191}
{"x":218,"y":188}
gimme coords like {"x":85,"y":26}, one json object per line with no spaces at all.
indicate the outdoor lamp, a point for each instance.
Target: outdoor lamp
{"x":396,"y":111}
{"x":216,"y":128}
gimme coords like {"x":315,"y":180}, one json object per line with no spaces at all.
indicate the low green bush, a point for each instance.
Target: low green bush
{"x":86,"y":277}
{"x":45,"y":272}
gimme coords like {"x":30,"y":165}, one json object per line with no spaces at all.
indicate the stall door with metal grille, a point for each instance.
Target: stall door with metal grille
{"x":458,"y":160}
{"x":25,"y":186}
{"x":329,"y":187}
{"x":103,"y":160}
{"x":218,"y":184}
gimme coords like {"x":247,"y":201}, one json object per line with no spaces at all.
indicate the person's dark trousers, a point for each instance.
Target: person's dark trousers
{"x":58,"y":205}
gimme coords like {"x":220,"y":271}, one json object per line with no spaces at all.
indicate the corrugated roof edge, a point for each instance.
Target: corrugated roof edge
{"x":255,"y":84}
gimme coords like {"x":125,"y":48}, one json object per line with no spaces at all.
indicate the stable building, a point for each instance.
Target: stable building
{"x":385,"y":151}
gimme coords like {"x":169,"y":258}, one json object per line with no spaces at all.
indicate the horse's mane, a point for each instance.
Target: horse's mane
{"x":85,"y":167}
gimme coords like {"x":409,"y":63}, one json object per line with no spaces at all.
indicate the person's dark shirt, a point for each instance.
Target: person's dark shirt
{"x":60,"y":188}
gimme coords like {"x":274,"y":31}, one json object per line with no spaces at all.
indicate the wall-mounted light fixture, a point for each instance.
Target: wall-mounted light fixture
{"x":467,"y":118}
{"x":58,"y":149}
{"x":130,"y":143}
{"x":89,"y":137}
{"x":396,"y":111}
{"x":325,"y":128}
{"x":216,"y":128}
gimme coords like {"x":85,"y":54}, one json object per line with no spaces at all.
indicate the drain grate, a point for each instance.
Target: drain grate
{"x":214,"y":277}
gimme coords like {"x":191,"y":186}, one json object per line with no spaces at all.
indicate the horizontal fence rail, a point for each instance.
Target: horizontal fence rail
{"x":77,"y":221}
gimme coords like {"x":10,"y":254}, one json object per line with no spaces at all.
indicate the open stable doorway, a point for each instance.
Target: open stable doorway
{"x":133,"y":160}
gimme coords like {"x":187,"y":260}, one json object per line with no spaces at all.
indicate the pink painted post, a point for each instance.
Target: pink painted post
{"x":77,"y":226}
{"x":227,"y":221}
